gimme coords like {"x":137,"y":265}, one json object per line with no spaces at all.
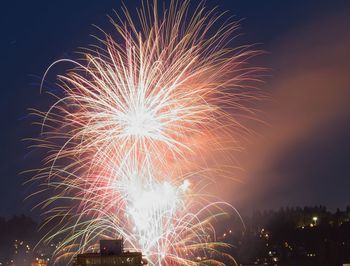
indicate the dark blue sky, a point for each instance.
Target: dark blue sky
{"x":302,"y":39}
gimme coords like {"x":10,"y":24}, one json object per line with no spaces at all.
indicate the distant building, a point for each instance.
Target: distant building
{"x":111,"y":254}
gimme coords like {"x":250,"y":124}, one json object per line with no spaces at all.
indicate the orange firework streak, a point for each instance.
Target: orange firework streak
{"x":125,"y":143}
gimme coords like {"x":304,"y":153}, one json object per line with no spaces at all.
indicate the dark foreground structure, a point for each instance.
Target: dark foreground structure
{"x":111,"y":254}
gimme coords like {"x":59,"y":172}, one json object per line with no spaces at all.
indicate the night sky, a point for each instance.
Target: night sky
{"x":301,"y":154}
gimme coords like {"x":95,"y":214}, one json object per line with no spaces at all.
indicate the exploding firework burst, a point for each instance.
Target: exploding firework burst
{"x":125,"y":143}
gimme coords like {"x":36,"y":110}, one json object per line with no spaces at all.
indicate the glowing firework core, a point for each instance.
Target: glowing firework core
{"x":141,"y":122}
{"x":148,"y":204}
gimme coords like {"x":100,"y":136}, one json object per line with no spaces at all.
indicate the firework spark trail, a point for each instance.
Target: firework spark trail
{"x":125,"y":140}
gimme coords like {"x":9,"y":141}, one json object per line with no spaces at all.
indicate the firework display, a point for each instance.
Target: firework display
{"x":131,"y":143}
